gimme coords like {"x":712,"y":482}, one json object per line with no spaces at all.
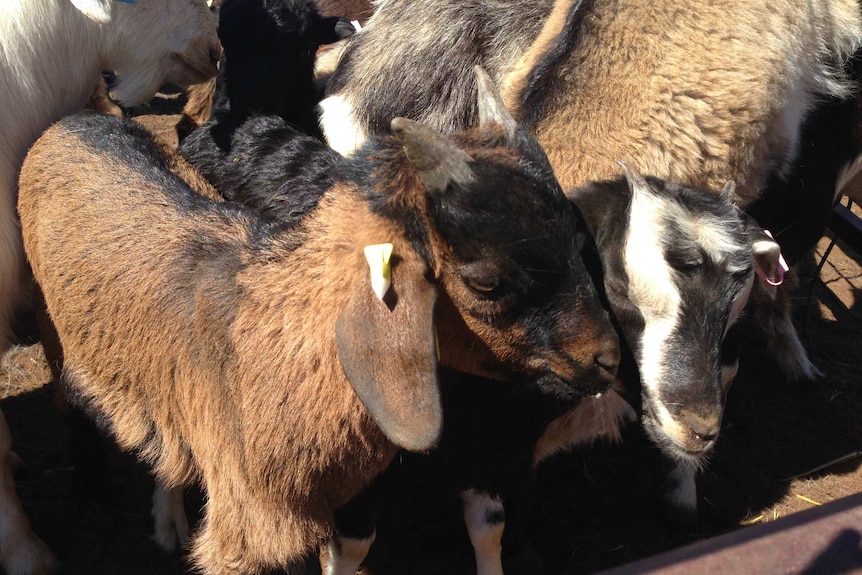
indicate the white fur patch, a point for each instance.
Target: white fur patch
{"x":718,"y":238}
{"x":485,"y":537}
{"x":346,"y":555}
{"x":96,"y":10}
{"x":651,"y":286}
{"x":342,"y":131}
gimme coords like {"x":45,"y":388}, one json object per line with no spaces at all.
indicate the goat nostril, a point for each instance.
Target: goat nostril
{"x":608,"y":358}
{"x":704,"y":428}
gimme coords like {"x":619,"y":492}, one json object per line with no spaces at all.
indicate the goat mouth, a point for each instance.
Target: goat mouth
{"x":693,"y":451}
{"x":569,"y":385}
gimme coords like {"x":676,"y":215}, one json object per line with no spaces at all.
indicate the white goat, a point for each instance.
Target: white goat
{"x":52,"y":53}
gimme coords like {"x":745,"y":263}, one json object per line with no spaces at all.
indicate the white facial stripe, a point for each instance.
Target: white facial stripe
{"x":339,"y":125}
{"x":651,"y":285}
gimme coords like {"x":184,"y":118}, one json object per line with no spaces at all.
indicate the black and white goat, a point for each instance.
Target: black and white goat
{"x":605,"y":81}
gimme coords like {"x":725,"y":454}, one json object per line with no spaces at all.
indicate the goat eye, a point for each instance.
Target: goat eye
{"x":484,"y":287}
{"x":488,"y":282}
{"x":685,"y":267}
{"x":742,"y":274}
{"x":684,"y":262}
{"x":487,"y":288}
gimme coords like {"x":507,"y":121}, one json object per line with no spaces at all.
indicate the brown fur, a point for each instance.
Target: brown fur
{"x":516,"y":78}
{"x":100,"y":102}
{"x":224,"y":369}
{"x":700,"y":96}
{"x":689,"y":95}
{"x":198,"y":108}
{"x":241,"y":531}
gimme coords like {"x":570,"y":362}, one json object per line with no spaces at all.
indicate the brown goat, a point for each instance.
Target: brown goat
{"x":730,"y":114}
{"x":255,"y":358}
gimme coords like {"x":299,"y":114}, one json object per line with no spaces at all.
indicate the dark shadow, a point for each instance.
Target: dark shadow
{"x":101,"y":531}
{"x":844,"y":555}
{"x":599,"y":507}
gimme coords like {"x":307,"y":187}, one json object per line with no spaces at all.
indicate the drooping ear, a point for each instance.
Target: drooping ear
{"x":387,"y":349}
{"x":437,"y":159}
{"x":769,"y":264}
{"x":96,"y":10}
{"x":491,"y":106}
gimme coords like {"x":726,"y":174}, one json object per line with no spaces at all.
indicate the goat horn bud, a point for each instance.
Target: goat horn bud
{"x":378,"y":256}
{"x":491,"y":106}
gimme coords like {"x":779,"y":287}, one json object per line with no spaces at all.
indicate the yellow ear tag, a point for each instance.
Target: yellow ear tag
{"x":381,"y":274}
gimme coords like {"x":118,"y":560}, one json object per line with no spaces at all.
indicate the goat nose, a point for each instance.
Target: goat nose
{"x":704,"y":428}
{"x":607,"y":359}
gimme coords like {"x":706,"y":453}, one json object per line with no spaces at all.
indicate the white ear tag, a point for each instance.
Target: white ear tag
{"x":381,"y":274}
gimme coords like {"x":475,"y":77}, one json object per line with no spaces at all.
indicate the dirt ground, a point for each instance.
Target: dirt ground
{"x":784,"y":448}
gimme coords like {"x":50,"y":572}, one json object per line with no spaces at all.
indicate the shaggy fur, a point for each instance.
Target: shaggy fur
{"x":180,"y":318}
{"x":272,"y":45}
{"x":704,"y":120}
{"x":359,"y":10}
{"x":283,"y":173}
{"x":630,"y":88}
{"x":51,"y":57}
{"x":198,"y":108}
{"x":263,"y":162}
{"x":423,"y":68}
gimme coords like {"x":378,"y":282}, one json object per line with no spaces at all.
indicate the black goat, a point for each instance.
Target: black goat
{"x":268,"y":62}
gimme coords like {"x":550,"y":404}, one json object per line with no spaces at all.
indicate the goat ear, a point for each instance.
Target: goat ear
{"x":387,"y":349}
{"x":491,"y":106}
{"x":436,"y":158}
{"x":769,"y":264}
{"x":96,"y":10}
